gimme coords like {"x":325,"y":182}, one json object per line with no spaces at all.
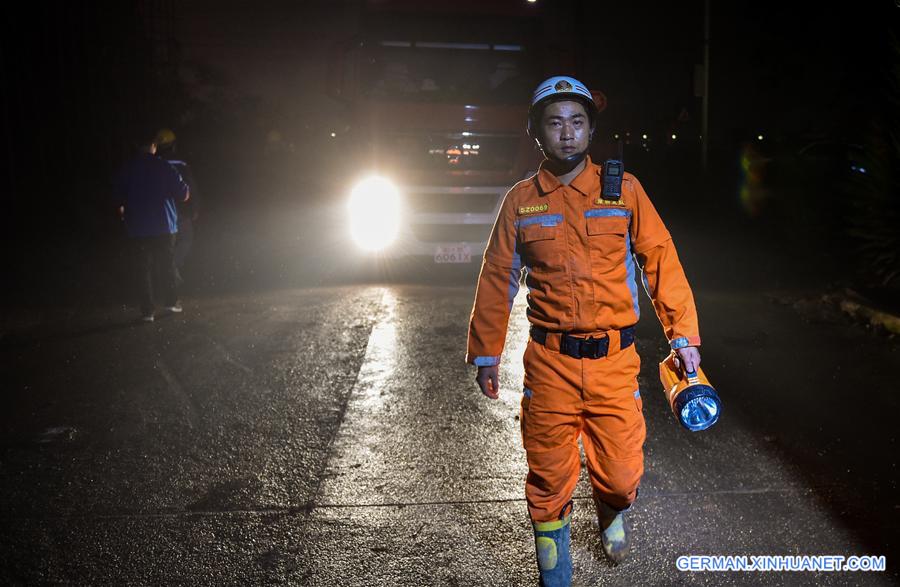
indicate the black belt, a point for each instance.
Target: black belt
{"x":584,"y":348}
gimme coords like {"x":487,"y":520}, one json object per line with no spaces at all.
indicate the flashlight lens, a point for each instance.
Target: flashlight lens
{"x":700,"y":413}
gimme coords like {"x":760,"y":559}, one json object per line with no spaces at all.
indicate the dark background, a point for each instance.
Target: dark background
{"x":241,"y":81}
{"x":197,"y":446}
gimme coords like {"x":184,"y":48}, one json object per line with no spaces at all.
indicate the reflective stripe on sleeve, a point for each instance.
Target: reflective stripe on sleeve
{"x":632,"y":281}
{"x":486,"y":361}
{"x":514,"y":275}
{"x":680,"y":343}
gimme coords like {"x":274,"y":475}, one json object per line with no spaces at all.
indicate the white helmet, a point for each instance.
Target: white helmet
{"x":560,"y":87}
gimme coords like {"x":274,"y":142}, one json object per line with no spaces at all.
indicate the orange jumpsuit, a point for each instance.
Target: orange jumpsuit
{"x":580,"y":254}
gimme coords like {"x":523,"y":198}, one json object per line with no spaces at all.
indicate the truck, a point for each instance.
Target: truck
{"x":437,"y":98}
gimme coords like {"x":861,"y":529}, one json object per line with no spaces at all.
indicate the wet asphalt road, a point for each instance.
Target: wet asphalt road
{"x":330,"y":435}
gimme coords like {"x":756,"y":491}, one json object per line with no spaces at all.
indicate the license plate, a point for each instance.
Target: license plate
{"x":453,"y":254}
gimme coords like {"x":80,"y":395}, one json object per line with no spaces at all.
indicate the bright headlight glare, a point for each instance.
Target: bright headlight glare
{"x":374,"y":213}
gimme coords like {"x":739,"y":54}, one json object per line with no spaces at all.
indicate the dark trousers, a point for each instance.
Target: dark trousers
{"x":185,"y":239}
{"x":155,"y":263}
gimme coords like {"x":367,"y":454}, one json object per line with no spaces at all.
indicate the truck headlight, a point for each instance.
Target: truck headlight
{"x":374,"y":213}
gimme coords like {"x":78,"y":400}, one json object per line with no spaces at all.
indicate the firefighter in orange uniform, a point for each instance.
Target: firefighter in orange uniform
{"x":581,"y":252}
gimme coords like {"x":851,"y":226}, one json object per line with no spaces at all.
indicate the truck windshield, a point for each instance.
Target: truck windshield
{"x":446,"y":72}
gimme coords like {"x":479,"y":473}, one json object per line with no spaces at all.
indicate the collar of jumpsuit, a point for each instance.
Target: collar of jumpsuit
{"x":586,"y":183}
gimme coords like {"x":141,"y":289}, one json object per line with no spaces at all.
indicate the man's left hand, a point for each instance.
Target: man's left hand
{"x":689,"y":357}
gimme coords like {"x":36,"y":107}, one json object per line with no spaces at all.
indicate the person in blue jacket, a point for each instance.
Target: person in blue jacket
{"x":146,"y":191}
{"x":188,"y":211}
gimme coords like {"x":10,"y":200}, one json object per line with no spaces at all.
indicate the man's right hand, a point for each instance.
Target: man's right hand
{"x":488,"y":379}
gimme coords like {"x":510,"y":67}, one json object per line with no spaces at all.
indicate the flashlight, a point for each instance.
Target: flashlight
{"x":694,"y":401}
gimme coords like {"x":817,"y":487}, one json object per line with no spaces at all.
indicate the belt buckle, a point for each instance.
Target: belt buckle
{"x":594,"y":348}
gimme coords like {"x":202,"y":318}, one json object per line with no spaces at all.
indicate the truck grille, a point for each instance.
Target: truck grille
{"x":432,"y":203}
{"x":452,"y":233}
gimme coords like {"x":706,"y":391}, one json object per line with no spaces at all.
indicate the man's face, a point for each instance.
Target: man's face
{"x":565,"y":129}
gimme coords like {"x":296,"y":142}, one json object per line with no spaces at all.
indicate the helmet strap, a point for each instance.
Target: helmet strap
{"x":558,"y":166}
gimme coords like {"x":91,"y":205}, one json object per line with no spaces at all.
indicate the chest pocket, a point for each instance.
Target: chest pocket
{"x":607,"y":238}
{"x":538,"y":240}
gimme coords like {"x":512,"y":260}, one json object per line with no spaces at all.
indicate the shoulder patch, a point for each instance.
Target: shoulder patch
{"x":524,"y":210}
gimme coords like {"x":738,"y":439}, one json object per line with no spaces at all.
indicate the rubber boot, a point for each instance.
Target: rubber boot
{"x":614,"y":531}
{"x":551,"y":542}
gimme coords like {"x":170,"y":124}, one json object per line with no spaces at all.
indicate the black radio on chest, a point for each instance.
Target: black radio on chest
{"x":612,"y":179}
